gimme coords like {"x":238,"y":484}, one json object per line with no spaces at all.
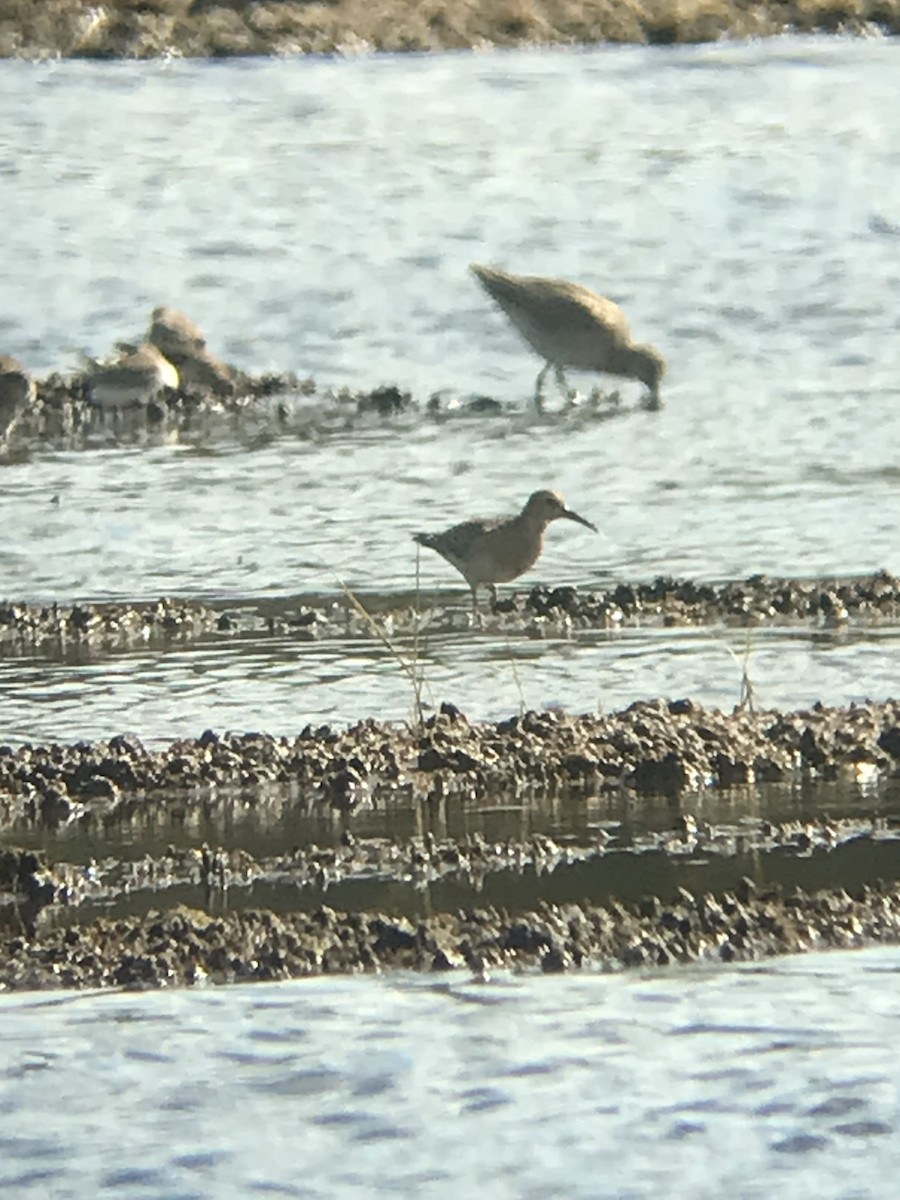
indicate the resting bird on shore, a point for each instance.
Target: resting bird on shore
{"x":183,"y":343}
{"x":133,"y":379}
{"x":570,"y":326}
{"x":494,"y":550}
{"x":175,"y":335}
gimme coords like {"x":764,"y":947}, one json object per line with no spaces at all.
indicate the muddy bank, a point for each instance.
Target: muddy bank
{"x":63,"y":416}
{"x":167,"y":384}
{"x":206,"y":28}
{"x":261,"y":407}
{"x":57,"y":630}
{"x":436,"y":885}
{"x":187,"y":946}
{"x":670,"y":748}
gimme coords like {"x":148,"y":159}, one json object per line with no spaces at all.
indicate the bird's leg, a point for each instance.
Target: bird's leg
{"x":477,"y":616}
{"x":570,"y":394}
{"x":492,"y":588}
{"x":539,"y":387}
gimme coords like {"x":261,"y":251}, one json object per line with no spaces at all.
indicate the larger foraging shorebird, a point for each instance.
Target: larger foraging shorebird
{"x":570,"y":326}
{"x":491,"y":550}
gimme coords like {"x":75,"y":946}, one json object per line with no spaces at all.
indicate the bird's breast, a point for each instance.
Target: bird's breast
{"x":504,"y":554}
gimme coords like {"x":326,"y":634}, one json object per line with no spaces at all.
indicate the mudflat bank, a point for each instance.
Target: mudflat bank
{"x":95,"y":898}
{"x":653,"y":746}
{"x":189,"y":946}
{"x":58,"y":630}
{"x":220,"y":28}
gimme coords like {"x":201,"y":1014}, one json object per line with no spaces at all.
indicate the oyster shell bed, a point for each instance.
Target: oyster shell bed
{"x":55,"y":630}
{"x":54,"y":933}
{"x":653,"y":746}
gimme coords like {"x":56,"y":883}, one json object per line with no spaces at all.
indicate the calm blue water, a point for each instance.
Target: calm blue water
{"x":739,"y":200}
{"x":752,"y":1082}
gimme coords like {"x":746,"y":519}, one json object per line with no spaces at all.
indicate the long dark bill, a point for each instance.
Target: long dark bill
{"x":573,"y":516}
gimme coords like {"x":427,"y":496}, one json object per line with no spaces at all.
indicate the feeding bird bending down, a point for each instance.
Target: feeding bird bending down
{"x":570,"y":326}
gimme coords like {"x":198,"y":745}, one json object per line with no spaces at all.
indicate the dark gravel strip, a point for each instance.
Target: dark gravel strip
{"x":186,"y":946}
{"x":650,"y":747}
{"x":53,"y":630}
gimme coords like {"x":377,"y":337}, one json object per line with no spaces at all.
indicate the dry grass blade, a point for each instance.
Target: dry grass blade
{"x":745,"y":703}
{"x":517,"y":677}
{"x":410,"y":669}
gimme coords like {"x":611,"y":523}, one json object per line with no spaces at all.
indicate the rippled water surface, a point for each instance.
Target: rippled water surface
{"x":741,"y":201}
{"x":753,"y":1082}
{"x":278,"y":684}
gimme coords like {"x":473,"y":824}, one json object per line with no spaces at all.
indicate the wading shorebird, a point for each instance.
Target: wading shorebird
{"x":134,"y":379}
{"x":570,"y":326}
{"x":494,"y":550}
{"x":17,"y":392}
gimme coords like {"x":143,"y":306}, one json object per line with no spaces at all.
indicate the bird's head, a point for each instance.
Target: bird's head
{"x":545,"y":506}
{"x":649,"y":367}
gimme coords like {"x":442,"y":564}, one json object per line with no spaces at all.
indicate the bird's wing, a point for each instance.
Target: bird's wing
{"x":552,"y":302}
{"x":457,"y":543}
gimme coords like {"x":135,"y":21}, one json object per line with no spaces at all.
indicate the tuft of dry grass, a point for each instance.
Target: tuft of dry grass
{"x":411,"y":667}
{"x":216,"y":28}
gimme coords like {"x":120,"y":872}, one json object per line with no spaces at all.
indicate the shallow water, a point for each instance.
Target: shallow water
{"x":594,"y":849}
{"x":279,"y":684}
{"x":319,"y":215}
{"x":741,"y":202}
{"x":750,"y":1082}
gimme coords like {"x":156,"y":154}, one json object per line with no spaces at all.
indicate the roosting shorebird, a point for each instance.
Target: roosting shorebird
{"x":570,"y":326}
{"x":494,"y":550}
{"x":183,"y":343}
{"x":133,"y":379}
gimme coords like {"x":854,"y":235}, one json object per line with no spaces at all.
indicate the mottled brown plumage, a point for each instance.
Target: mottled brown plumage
{"x":570,"y":326}
{"x":492,"y":550}
{"x":183,"y":343}
{"x":133,"y":379}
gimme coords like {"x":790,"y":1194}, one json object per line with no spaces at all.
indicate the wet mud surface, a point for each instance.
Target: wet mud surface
{"x":59,"y":631}
{"x":190,"y":946}
{"x":63,"y":416}
{"x":198,"y":28}
{"x":91,"y":896}
{"x":660,"y":747}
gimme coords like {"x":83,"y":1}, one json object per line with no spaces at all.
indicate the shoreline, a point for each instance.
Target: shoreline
{"x":101,"y":896}
{"x":243,"y":28}
{"x":55,"y":629}
{"x":185,"y":946}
